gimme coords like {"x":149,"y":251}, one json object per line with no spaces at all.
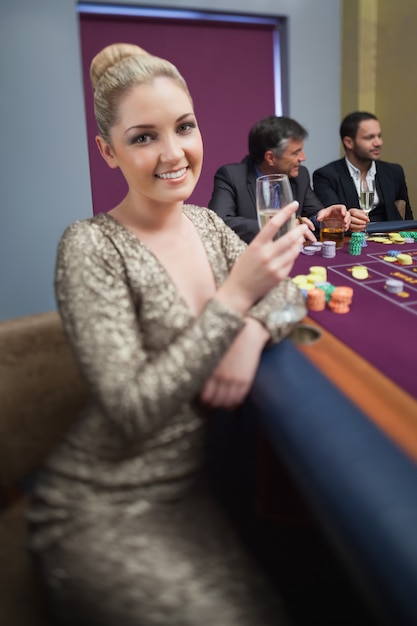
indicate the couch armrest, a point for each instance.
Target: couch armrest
{"x":40,"y":391}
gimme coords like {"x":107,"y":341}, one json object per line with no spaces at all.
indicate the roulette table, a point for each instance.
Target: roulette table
{"x":370,"y":352}
{"x":341,"y":414}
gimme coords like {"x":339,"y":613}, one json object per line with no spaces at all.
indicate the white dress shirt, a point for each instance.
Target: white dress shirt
{"x":370,"y":178}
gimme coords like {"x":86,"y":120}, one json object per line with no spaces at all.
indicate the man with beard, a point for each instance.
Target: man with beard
{"x":340,"y":180}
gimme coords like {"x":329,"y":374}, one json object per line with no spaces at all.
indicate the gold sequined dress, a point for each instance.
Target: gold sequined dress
{"x":123,"y":525}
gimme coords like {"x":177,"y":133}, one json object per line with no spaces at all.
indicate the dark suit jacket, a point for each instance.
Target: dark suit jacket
{"x":333,"y":183}
{"x":234,"y":197}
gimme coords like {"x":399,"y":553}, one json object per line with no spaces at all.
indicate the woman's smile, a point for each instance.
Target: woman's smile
{"x":174,"y":175}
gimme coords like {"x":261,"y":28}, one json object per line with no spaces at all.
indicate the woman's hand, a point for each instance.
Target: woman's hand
{"x":230,"y":382}
{"x":265,"y":262}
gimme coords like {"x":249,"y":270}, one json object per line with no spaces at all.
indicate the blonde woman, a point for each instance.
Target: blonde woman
{"x":168,"y":313}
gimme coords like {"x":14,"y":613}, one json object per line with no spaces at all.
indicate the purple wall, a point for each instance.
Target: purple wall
{"x":230,"y":74}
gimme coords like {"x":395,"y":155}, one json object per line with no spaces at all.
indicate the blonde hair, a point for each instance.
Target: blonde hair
{"x":117,"y":69}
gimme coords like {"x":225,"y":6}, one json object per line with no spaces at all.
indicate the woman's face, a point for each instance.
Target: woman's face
{"x":156,"y":142}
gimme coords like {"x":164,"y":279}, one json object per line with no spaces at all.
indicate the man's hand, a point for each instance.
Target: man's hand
{"x":305,"y":220}
{"x":336,"y":210}
{"x":359,"y":220}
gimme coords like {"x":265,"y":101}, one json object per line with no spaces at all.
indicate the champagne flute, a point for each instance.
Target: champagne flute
{"x":366,"y":197}
{"x":273,"y":193}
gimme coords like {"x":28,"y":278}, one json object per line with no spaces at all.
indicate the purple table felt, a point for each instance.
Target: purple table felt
{"x":381,"y":327}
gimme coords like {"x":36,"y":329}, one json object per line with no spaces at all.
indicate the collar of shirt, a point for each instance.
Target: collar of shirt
{"x":356,"y":176}
{"x":258,"y":172}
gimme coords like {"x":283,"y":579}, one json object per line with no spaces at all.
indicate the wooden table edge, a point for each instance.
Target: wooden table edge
{"x":391,"y":408}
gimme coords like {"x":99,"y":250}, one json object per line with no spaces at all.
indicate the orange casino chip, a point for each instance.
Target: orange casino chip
{"x":341,"y":300}
{"x":316,"y":299}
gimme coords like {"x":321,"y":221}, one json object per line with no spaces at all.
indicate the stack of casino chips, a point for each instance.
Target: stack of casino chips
{"x":316,"y":299}
{"x":394,"y":286}
{"x":404,"y":259}
{"x":341,"y":300}
{"x":327,"y":288}
{"x":355,"y":244}
{"x":309,"y":250}
{"x":317,"y":273}
{"x":409,"y":235}
{"x":328,"y":249}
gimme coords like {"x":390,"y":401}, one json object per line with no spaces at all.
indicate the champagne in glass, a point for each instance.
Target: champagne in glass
{"x":366,"y":197}
{"x":367,"y":201}
{"x":273,"y":193}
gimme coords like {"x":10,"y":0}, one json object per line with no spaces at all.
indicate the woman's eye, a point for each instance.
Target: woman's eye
{"x":186,"y":127}
{"x":142,"y":139}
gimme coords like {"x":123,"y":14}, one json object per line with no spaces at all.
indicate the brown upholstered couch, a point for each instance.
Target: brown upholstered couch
{"x":40,"y":390}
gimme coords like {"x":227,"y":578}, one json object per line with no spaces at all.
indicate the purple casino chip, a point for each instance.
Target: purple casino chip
{"x":309,"y":250}
{"x":328,"y":249}
{"x":393,"y":285}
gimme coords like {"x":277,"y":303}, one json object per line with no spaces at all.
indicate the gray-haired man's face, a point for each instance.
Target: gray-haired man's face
{"x":290,"y":160}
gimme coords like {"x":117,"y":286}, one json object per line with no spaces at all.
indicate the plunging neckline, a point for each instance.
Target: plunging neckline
{"x":200,"y":233}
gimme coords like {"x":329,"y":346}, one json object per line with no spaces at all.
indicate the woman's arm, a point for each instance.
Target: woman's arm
{"x":231,"y":380}
{"x":137,"y":389}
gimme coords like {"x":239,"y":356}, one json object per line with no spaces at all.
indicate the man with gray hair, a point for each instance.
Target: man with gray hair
{"x":276,"y":146}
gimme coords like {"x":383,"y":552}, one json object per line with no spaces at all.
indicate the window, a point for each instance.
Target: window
{"x":234,"y":66}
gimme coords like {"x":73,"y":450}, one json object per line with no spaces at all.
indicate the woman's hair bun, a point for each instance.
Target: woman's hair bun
{"x":110,"y":56}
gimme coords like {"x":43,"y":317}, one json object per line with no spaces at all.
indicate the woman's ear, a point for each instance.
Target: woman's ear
{"x":106,"y":152}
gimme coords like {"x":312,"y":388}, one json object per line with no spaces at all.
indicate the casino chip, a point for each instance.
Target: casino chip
{"x":355,"y":244}
{"x":317,"y":245}
{"x":409,"y":235}
{"x":320,"y":271}
{"x":396,"y":238}
{"x":405,"y":259}
{"x":391,"y":256}
{"x":341,"y":300}
{"x":301,"y":280}
{"x":328,"y":249}
{"x":380,"y":239}
{"x":394,"y":286}
{"x":309,"y":250}
{"x":360,"y":272}
{"x":327,"y":288}
{"x":316,"y":300}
